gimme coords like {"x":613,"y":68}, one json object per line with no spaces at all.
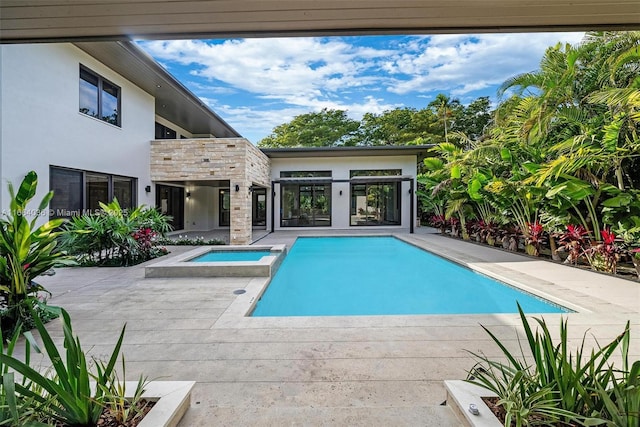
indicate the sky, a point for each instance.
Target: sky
{"x":258,"y":84}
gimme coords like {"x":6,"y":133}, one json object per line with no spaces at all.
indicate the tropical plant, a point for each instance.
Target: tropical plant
{"x":185,"y":240}
{"x":122,"y":407}
{"x":554,"y":382}
{"x":26,"y":251}
{"x":67,"y":395}
{"x":115,"y":236}
{"x":604,"y":255}
{"x":535,"y":237}
{"x":574,"y":241}
{"x":16,"y":409}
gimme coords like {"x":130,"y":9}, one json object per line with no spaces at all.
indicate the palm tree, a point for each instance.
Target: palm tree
{"x":444,"y":108}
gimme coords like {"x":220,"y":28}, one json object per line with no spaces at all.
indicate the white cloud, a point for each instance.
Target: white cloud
{"x":286,"y":69}
{"x":460,"y":63}
{"x":257,"y":84}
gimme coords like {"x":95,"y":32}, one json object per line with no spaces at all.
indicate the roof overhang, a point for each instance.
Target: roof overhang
{"x":360,"y":151}
{"x":173,"y":101}
{"x":69,"y":20}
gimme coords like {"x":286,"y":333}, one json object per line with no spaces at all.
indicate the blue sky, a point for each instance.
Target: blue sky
{"x":257,"y":84}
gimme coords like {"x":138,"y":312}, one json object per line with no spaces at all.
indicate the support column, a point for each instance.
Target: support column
{"x":240,"y":232}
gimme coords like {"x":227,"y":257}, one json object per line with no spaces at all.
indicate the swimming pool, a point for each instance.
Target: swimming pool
{"x":339,"y":276}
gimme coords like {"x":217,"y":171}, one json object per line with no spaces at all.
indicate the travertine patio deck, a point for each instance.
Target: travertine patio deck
{"x":373,"y":371}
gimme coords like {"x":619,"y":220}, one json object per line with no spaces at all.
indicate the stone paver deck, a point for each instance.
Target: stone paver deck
{"x":360,"y":370}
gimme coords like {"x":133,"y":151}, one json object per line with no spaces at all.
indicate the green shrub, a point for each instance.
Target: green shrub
{"x":115,"y":236}
{"x":187,"y":241}
{"x":551,"y":384}
{"x":26,"y":251}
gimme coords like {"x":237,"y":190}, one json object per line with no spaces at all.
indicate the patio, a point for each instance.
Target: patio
{"x":385,"y":370}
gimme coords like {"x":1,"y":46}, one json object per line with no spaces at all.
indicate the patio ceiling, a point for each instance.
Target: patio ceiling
{"x":73,"y":20}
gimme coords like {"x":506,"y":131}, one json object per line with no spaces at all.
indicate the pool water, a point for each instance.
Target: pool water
{"x":222,"y":256}
{"x":340,"y":276}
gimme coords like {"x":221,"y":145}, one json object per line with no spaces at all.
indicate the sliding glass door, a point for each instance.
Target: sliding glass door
{"x":306,"y":205}
{"x":375,"y":203}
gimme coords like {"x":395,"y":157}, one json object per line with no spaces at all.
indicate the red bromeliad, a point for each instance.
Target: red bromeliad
{"x":573,"y":240}
{"x":604,"y":256}
{"x":535,"y":237}
{"x":608,"y":237}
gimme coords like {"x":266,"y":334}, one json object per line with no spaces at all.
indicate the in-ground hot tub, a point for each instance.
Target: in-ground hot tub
{"x":221,"y":261}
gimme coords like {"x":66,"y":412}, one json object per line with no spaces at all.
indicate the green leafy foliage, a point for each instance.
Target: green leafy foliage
{"x":26,"y":251}
{"x":326,"y":128}
{"x":66,"y":395}
{"x":563,"y":150}
{"x":552,"y":382}
{"x":185,"y":240}
{"x":123,"y":407}
{"x":116,"y":236}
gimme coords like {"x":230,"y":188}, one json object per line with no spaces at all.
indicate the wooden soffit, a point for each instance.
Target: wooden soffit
{"x":78,"y":20}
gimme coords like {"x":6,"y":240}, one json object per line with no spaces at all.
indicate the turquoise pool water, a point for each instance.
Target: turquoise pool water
{"x":218,"y":256}
{"x":341,"y":276}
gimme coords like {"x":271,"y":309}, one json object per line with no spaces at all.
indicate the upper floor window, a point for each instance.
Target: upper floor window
{"x":305,"y":174}
{"x":164,"y":132}
{"x":99,"y":97}
{"x":375,"y":172}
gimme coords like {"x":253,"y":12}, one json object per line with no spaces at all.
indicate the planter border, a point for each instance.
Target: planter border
{"x":172,"y":399}
{"x":461,"y":394}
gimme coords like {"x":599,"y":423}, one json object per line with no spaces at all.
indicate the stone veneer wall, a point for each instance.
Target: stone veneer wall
{"x":233,"y":159}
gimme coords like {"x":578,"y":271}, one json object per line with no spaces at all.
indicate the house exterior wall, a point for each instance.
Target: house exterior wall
{"x":340,"y":168}
{"x":41,"y":124}
{"x":193,"y":160}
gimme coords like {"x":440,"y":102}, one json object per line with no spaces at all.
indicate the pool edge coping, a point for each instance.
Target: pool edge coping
{"x":239,"y":311}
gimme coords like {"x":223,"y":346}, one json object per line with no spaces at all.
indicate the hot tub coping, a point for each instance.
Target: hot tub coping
{"x":182,"y":266}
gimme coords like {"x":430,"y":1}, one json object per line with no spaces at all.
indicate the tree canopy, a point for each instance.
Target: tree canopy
{"x":400,"y":126}
{"x":326,"y":128}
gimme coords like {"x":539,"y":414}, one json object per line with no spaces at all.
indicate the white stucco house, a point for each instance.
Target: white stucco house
{"x":98,"y":120}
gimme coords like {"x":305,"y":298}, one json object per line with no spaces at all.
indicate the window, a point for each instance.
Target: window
{"x":375,"y":203}
{"x":375,"y":200}
{"x":99,"y":97}
{"x":163,"y":132}
{"x":379,"y":172}
{"x":224,"y":217}
{"x":306,"y":199}
{"x":306,"y":205}
{"x":305,"y":174}
{"x":76,"y":191}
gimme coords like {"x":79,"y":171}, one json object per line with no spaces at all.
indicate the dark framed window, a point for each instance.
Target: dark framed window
{"x":163,"y":132}
{"x":224,"y":211}
{"x":170,"y":201}
{"x":376,"y":203}
{"x":306,"y":205}
{"x":375,"y":172}
{"x":76,"y":192}
{"x":99,"y":97}
{"x":305,"y":174}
